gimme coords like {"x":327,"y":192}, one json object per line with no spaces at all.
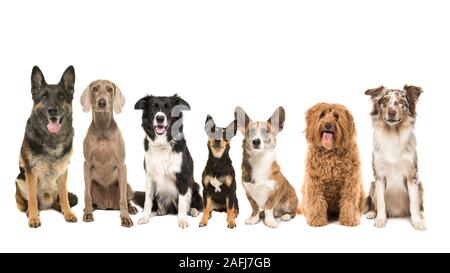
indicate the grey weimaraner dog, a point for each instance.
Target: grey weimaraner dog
{"x":105,"y":173}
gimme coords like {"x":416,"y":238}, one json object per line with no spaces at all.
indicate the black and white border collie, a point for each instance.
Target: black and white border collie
{"x":170,"y":187}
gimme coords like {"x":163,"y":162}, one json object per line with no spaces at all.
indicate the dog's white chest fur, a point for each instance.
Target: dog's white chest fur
{"x":393,"y":161}
{"x":262,"y":186}
{"x":216,"y":184}
{"x":162,"y":164}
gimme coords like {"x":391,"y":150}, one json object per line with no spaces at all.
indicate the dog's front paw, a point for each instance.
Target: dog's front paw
{"x":88,"y":217}
{"x":231,"y":224}
{"x":194,"y":212}
{"x":126,"y":221}
{"x":271,"y":222}
{"x":317,"y":221}
{"x":144,"y":220}
{"x":70,"y":217}
{"x":418,"y":223}
{"x":132,"y":210}
{"x":371,"y":215}
{"x":183,"y":223}
{"x":160,"y":211}
{"x":380,"y":221}
{"x":34,"y":222}
{"x":252,"y":220}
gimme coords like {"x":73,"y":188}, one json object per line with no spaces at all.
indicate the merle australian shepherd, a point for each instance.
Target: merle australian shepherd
{"x":170,"y":187}
{"x":397,"y":190}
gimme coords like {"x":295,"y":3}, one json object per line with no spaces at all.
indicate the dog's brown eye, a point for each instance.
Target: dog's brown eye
{"x":44,"y":97}
{"x":95,"y":89}
{"x":61,"y":97}
{"x":322,"y":115}
{"x":336,"y":116}
{"x":110,"y":89}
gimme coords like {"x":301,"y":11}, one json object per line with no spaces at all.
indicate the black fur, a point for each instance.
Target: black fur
{"x":220,"y":167}
{"x":172,"y":107}
{"x":49,"y":132}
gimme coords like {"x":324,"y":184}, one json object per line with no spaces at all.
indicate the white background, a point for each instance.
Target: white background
{"x":217,"y":55}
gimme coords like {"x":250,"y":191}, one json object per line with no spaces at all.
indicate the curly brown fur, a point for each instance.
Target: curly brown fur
{"x":333,"y":185}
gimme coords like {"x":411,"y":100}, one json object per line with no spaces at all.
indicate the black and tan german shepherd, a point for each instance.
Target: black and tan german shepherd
{"x":218,"y":179}
{"x":46,"y":149}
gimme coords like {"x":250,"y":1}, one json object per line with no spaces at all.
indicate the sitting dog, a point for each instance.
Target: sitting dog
{"x":397,"y":191}
{"x":269,"y":192}
{"x":46,"y":149}
{"x":105,"y":173}
{"x":333,"y":184}
{"x":219,"y":182}
{"x":170,"y":186}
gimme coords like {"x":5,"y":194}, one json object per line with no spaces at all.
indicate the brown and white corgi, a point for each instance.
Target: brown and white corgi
{"x":269,"y":192}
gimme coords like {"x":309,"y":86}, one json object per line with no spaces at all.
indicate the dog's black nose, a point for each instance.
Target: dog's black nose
{"x":217,"y":143}
{"x":53,"y":111}
{"x":159,"y":119}
{"x":256,"y":142}
{"x":328,"y":126}
{"x":392,"y":113}
{"x":102,"y":103}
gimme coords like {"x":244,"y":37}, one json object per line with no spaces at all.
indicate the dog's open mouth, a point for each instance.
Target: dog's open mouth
{"x":327,"y":136}
{"x":160,"y":129}
{"x":54,"y":124}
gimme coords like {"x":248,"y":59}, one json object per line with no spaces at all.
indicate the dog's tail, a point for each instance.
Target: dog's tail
{"x":73,"y":199}
{"x":139,"y":198}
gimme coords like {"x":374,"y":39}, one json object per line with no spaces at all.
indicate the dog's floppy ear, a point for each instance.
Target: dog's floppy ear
{"x":375,"y":95}
{"x":181,"y":102}
{"x":349,"y":128}
{"x":412,"y":94}
{"x":374,"y":92}
{"x":231,"y":129}
{"x":86,"y":99}
{"x":277,"y":119}
{"x":243,"y":120}
{"x":37,"y":80}
{"x":119,"y":100}
{"x":68,"y":79}
{"x":311,"y":118}
{"x":210,"y":126}
{"x":143,"y":102}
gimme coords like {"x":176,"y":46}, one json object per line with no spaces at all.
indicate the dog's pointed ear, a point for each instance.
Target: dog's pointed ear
{"x":374,"y":92}
{"x":277,"y":119}
{"x":119,"y":99}
{"x":210,"y":126}
{"x":412,"y":95}
{"x":231,"y":129}
{"x":181,"y":102}
{"x":143,"y":102}
{"x":243,"y":120}
{"x":85,"y":99}
{"x":68,"y":79}
{"x":37,"y":80}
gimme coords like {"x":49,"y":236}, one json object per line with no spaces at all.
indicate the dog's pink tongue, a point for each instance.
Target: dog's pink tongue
{"x":160,"y":130}
{"x":54,"y":126}
{"x":327,"y":136}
